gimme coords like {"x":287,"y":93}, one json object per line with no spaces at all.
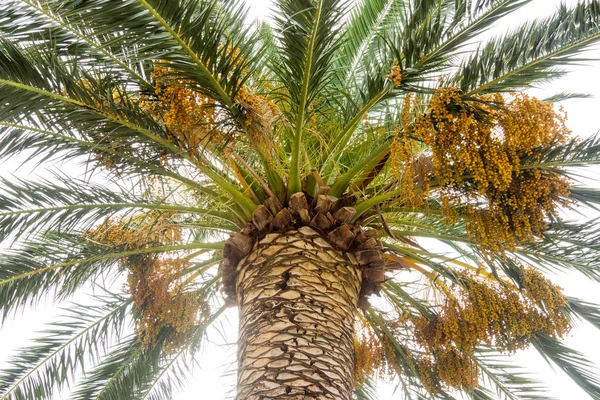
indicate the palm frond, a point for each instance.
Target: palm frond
{"x":585,"y":310}
{"x":455,"y":24}
{"x":509,"y":380}
{"x":133,"y":370}
{"x":83,"y":334}
{"x":33,"y":270}
{"x":43,"y":85}
{"x":214,"y":39}
{"x":577,"y":252}
{"x":126,"y":367}
{"x":367,"y":23}
{"x":424,"y":38}
{"x":67,"y":25}
{"x":44,"y":144}
{"x":366,"y":391}
{"x":307,"y":32}
{"x":583,"y":372}
{"x":543,"y":47}
{"x":27,"y":208}
{"x":59,"y":89}
{"x":564,"y":246}
{"x":575,"y":153}
{"x":563,"y":96}
{"x":48,"y":263}
{"x":173,"y":370}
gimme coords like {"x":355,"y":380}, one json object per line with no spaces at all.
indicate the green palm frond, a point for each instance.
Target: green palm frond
{"x":29,"y":272}
{"x":456,"y":24}
{"x":61,"y":87}
{"x":307,"y":34}
{"x":134,"y":371}
{"x":366,"y":25}
{"x":509,"y":380}
{"x":33,"y":206}
{"x":409,"y":26}
{"x":173,"y":370}
{"x":207,"y":32}
{"x":575,"y":153}
{"x":57,"y":88}
{"x":585,"y":311}
{"x":419,"y":52}
{"x":45,"y":145}
{"x":332,"y":101}
{"x":83,"y":333}
{"x":367,"y":391}
{"x":271,"y":52}
{"x":66,"y":23}
{"x":582,"y":371}
{"x":65,"y":262}
{"x":549,"y":44}
{"x":177,"y":32}
{"x":565,"y":246}
{"x":563,"y":96}
{"x":127,"y":366}
{"x":577,"y":253}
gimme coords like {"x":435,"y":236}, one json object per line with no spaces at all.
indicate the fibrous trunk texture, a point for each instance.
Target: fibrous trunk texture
{"x":297,"y":297}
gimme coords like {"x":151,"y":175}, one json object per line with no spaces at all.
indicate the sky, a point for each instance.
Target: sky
{"x":214,"y":376}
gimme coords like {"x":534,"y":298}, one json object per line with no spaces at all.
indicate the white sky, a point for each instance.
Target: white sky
{"x":214,"y":377}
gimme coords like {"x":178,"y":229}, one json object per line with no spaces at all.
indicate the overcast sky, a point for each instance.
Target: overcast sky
{"x":215,"y":374}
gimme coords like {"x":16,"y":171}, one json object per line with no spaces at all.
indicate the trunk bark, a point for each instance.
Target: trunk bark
{"x":297,"y":298}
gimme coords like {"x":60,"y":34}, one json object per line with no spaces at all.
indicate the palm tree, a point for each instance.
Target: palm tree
{"x":367,"y":184}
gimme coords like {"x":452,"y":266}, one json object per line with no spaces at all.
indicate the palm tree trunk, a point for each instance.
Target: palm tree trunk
{"x":297,"y":298}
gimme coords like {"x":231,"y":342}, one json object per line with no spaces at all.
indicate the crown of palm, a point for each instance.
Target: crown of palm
{"x":195,"y":118}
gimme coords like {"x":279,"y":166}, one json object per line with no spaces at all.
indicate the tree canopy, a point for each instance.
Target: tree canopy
{"x":392,"y":127}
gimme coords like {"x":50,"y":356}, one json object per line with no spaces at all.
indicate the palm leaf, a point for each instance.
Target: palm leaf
{"x":550,"y":43}
{"x":127,"y":366}
{"x":83,"y":333}
{"x":367,"y":391}
{"x":585,"y":310}
{"x":134,"y":371}
{"x":48,"y":262}
{"x":33,"y":206}
{"x":207,"y":33}
{"x":307,"y":37}
{"x":573,"y":363}
{"x":510,"y":380}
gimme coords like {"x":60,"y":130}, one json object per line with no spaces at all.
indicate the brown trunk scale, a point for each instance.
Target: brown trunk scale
{"x":297,"y":297}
